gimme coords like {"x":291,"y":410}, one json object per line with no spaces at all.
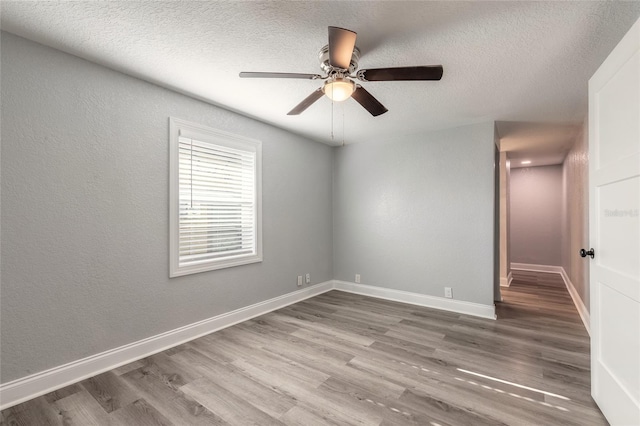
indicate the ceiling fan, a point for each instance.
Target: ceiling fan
{"x":339,"y":61}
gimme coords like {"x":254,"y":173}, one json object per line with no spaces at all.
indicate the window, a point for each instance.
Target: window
{"x":215,"y":199}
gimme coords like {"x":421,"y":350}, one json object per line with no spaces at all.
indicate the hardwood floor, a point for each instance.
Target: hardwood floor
{"x":345,"y":359}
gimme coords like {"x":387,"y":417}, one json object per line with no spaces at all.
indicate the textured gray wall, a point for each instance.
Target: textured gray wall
{"x":575,"y":173}
{"x":85,"y":156}
{"x":536,"y":215}
{"x":416,"y":214}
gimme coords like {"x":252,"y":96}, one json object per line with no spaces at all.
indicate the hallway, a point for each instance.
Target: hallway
{"x":538,"y":305}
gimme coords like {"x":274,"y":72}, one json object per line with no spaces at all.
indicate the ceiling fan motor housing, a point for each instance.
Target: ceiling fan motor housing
{"x":323,"y":57}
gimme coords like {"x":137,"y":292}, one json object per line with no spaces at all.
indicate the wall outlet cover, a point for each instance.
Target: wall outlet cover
{"x":357,"y":278}
{"x":448,"y":293}
{"x":307,"y":278}
{"x":299,"y":280}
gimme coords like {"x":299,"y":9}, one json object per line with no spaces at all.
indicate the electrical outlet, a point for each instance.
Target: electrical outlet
{"x":448,"y":293}
{"x":299,"y":280}
{"x":307,"y":278}
{"x":358,"y":278}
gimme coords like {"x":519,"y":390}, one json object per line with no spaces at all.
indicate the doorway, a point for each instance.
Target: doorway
{"x":544,"y":206}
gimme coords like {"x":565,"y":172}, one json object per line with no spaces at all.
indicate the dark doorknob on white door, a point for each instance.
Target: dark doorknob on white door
{"x":585,"y":253}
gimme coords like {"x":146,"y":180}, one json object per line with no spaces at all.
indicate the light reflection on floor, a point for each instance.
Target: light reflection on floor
{"x":555,"y":395}
{"x":515,"y":395}
{"x":471,"y":382}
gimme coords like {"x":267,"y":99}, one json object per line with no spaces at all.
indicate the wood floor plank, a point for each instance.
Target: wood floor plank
{"x":172,"y":404}
{"x":317,"y":352}
{"x":322,"y":402}
{"x":35,"y":412}
{"x":109,"y":391}
{"x":81,"y":408}
{"x":234,"y":409}
{"x":171,"y":373}
{"x":441,"y":411}
{"x":352,"y":325}
{"x":231,"y":378}
{"x":347,"y":359}
{"x":139,"y":413}
{"x":327,"y":330}
{"x":276,"y":363}
{"x":390,"y":410}
{"x":299,"y":415}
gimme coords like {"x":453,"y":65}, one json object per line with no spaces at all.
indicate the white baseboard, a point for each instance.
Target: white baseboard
{"x":506,"y":281}
{"x":469,"y":308}
{"x":536,"y":268}
{"x":32,"y":386}
{"x":585,"y":316}
{"x":577,"y":301}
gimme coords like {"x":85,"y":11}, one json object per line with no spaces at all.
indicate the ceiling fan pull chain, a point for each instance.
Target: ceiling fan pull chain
{"x":332,"y":102}
{"x":343,"y":124}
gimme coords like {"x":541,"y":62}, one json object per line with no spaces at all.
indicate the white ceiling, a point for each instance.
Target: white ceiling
{"x":524,"y":61}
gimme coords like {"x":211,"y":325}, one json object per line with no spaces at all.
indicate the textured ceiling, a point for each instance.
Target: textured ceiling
{"x":527,"y":61}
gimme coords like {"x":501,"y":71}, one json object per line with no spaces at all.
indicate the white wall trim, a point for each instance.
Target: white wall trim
{"x":580,"y":306}
{"x":452,"y":305}
{"x":577,"y":301}
{"x":506,"y":281}
{"x":37,"y":384}
{"x":536,"y":268}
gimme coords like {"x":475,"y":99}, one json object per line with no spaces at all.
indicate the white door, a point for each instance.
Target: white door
{"x":614,"y":231}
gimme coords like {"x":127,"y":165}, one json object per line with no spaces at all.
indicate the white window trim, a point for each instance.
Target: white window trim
{"x":179,"y":127}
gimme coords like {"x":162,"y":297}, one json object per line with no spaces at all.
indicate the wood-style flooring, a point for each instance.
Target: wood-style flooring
{"x":345,"y":359}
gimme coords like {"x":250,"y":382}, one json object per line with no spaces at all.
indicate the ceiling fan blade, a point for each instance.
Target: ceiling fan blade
{"x":433,"y":72}
{"x":369,"y":103}
{"x":341,"y":44}
{"x":279,"y":75}
{"x":308,"y":101}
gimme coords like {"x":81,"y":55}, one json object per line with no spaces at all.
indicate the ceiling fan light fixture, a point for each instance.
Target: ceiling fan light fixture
{"x":339,"y":63}
{"x":339,"y":89}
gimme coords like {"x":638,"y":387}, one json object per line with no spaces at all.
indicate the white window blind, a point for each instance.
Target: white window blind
{"x":218,"y":209}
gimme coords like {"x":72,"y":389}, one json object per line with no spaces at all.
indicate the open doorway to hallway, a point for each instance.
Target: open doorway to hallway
{"x":544,"y":208}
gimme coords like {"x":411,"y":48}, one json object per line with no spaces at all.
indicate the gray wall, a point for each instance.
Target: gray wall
{"x":536,"y":215}
{"x":85,"y":211}
{"x":575,"y":179}
{"x":417,"y":213}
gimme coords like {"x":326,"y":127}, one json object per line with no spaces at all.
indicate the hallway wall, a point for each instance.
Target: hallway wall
{"x":505,"y":250}
{"x":575,"y":226}
{"x":536,"y":215}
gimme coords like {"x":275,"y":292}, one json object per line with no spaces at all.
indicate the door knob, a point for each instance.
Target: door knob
{"x":585,"y":253}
